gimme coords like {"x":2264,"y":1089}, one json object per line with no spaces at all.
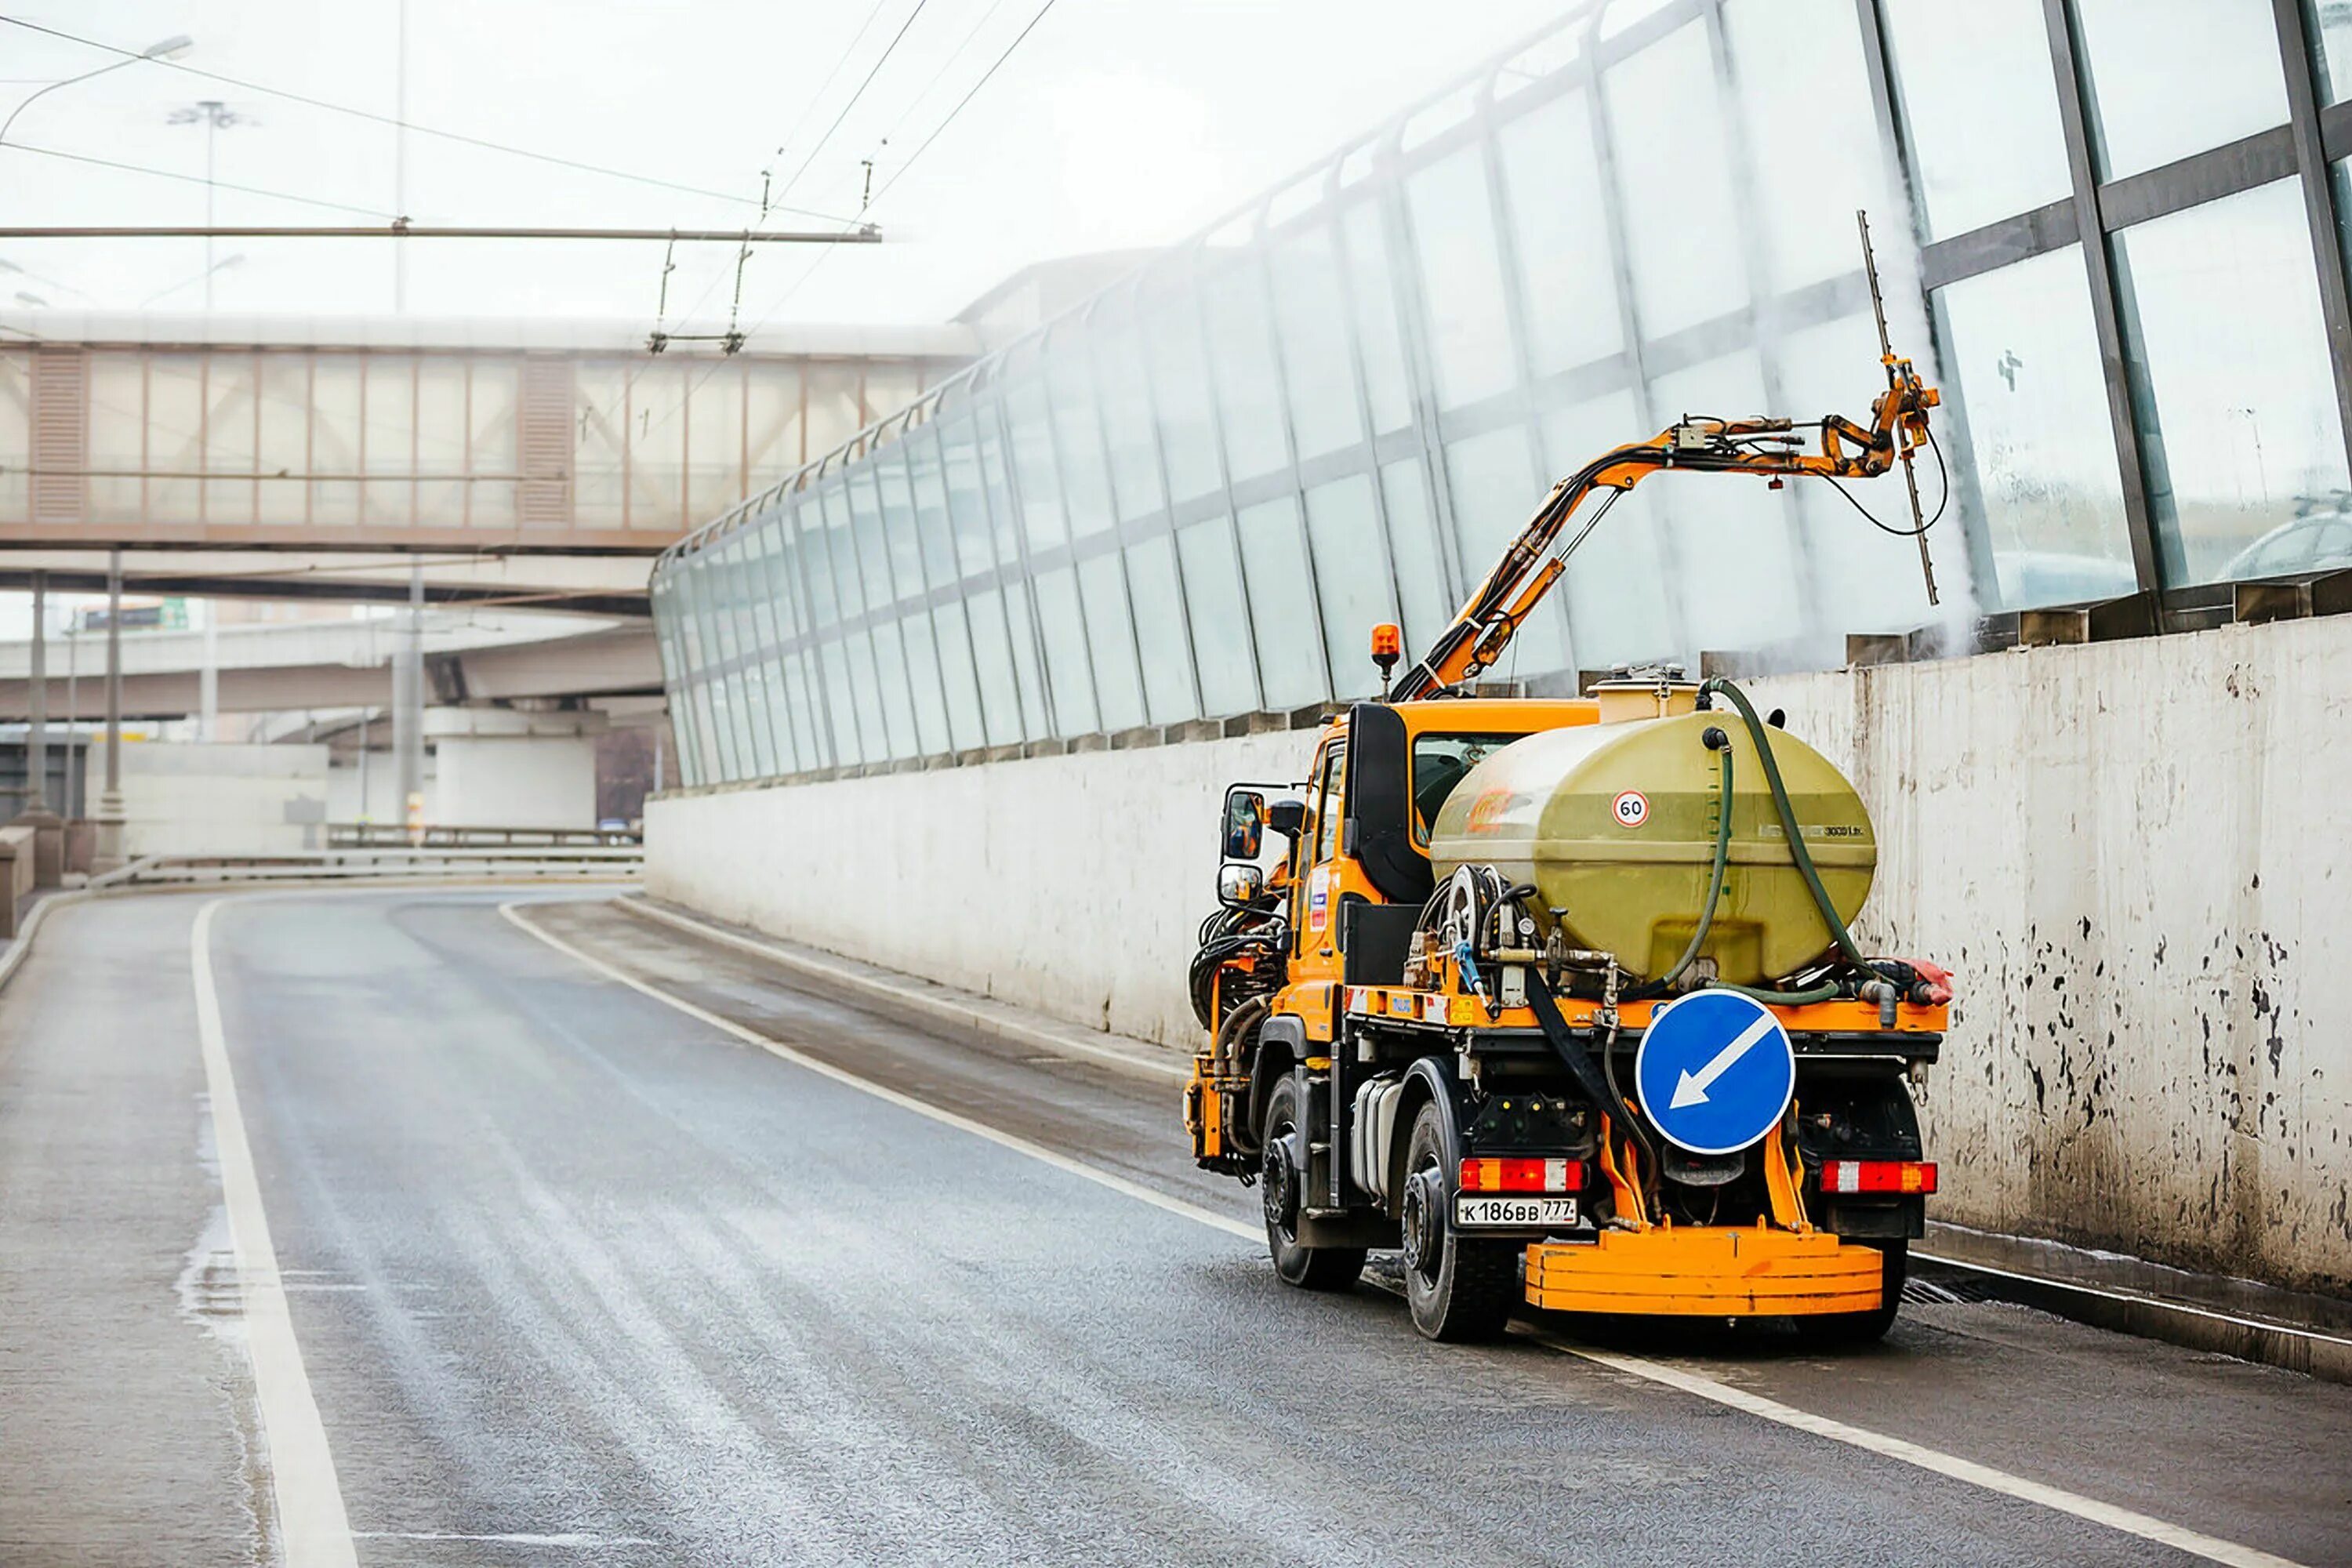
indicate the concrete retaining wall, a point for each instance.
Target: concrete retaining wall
{"x":192,"y":799}
{"x":2138,"y":856}
{"x":1073,"y":885}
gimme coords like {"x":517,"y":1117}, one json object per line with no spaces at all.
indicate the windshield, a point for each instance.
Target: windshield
{"x":1439,"y":763}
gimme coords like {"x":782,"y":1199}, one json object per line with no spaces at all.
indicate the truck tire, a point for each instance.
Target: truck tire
{"x":1459,"y":1290}
{"x":1833,"y":1331}
{"x":1279,"y":1184}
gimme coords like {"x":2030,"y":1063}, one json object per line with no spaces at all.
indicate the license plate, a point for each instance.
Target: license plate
{"x":1514,"y":1213}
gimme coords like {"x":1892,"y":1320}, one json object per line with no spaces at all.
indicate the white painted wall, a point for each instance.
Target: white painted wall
{"x":1073,"y":885}
{"x":514,"y":781}
{"x":2138,"y":858}
{"x":2137,"y":855}
{"x":189,"y":799}
{"x":381,"y":795}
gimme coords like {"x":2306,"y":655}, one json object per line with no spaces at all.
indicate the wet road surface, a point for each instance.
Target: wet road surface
{"x":577,"y":1277}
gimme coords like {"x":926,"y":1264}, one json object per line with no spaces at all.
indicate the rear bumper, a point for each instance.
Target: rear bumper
{"x":1705,"y":1271}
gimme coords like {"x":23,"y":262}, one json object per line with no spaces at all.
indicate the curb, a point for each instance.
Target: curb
{"x":939,"y":1002}
{"x":22,"y":945}
{"x":2312,"y":1352}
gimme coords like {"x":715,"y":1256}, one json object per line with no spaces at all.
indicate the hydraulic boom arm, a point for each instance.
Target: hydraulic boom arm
{"x":1476,"y":638}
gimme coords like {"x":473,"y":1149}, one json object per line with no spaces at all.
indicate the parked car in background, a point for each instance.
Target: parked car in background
{"x":2320,"y":537}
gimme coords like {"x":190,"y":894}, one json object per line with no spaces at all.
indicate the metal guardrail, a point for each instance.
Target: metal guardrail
{"x":394,"y":836}
{"x":503,"y":863}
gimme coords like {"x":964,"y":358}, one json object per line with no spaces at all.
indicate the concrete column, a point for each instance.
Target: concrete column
{"x":408,"y":708}
{"x":502,"y":767}
{"x":107,"y":854}
{"x":37,"y":702}
{"x":208,"y":678}
{"x":48,"y":827}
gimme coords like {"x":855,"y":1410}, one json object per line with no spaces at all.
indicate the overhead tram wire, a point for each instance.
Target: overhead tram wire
{"x":199,"y":180}
{"x":824,"y":255}
{"x":839,"y":60}
{"x":948,"y":64}
{"x":786,"y":190}
{"x":483,"y":143}
{"x":872,"y":71}
{"x":629,"y":384}
{"x":967,"y":98}
{"x":970,"y":93}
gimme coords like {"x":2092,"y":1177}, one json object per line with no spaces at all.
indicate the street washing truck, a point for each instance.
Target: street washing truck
{"x":1560,"y":998}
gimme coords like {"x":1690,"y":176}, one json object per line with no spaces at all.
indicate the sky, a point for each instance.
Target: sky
{"x":1115,"y":124}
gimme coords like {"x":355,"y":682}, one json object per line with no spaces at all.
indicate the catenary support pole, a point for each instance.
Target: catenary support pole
{"x":408,"y":708}
{"x":108,"y":850}
{"x":37,"y":702}
{"x":208,"y":677}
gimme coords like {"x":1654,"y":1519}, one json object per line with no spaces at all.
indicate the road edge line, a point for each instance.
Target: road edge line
{"x":313,"y":1530}
{"x":2113,"y":1516}
{"x":777,"y":1048}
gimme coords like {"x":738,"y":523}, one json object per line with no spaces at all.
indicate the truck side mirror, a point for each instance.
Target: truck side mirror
{"x":1245,"y":823}
{"x":1238,"y":885}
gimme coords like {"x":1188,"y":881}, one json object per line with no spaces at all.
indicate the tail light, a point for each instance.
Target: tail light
{"x":1522,"y":1175}
{"x":1905,"y":1177}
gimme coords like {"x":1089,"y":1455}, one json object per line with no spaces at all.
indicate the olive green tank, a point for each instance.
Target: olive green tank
{"x":1615,"y":824}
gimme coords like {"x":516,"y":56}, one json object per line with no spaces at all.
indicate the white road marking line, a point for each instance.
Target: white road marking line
{"x":2115,"y":1517}
{"x":312,"y":1528}
{"x":1038,"y":1152}
{"x":2110,"y":1515}
{"x":570,"y":1538}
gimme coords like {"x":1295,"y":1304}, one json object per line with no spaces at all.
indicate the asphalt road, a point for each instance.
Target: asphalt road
{"x":574,"y":1275}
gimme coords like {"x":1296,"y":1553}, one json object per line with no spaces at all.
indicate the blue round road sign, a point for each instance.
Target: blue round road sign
{"x":1715,"y":1071}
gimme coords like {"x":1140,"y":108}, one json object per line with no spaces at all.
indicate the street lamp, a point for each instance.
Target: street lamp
{"x":28,"y":274}
{"x":214,"y":117}
{"x":170,"y":49}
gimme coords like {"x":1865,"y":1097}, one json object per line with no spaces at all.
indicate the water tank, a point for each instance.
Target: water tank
{"x":1615,"y":824}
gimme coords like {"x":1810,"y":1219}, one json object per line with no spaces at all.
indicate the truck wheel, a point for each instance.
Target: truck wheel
{"x":1832,"y":1330}
{"x":1458,"y":1288}
{"x":1281,"y":1182}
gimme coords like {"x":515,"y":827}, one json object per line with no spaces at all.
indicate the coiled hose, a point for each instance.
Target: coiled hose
{"x":1797,"y":853}
{"x":1715,"y":880}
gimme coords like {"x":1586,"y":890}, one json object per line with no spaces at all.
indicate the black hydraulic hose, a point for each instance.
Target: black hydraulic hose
{"x":1821,"y":993}
{"x":1598,"y":1081}
{"x":1715,"y":882}
{"x":1226,"y":1053}
{"x":1797,"y":850}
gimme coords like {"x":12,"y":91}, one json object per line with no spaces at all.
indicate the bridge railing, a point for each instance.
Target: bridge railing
{"x":394,"y":836}
{"x":583,"y":862}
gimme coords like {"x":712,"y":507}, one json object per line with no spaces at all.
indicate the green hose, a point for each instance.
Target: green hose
{"x":1782,"y":998}
{"x":1714,"y":898}
{"x":1715,"y":883}
{"x":1797,"y":850}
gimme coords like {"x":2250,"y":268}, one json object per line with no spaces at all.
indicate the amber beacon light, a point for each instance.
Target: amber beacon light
{"x":1388,"y":647}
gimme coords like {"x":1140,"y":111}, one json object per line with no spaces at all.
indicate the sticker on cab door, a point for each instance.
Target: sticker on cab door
{"x":1632,"y":809}
{"x":1319,"y":897}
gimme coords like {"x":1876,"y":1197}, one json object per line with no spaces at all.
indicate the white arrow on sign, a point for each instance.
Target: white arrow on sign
{"x":1691,"y":1089}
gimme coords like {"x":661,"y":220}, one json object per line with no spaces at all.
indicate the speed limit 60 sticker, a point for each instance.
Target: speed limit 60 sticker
{"x":1632,"y":809}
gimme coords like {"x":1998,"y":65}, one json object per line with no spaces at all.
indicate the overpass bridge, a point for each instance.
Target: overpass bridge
{"x":497,"y":439}
{"x":481,"y":657}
